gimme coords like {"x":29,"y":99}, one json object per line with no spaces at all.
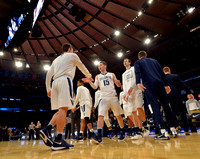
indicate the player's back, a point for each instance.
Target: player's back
{"x":84,"y":95}
{"x":65,"y":64}
{"x":106,"y":85}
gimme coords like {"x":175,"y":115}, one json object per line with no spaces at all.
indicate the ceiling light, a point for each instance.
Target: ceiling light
{"x":191,"y":9}
{"x":27,"y":66}
{"x":150,"y":1}
{"x":147,"y":41}
{"x":140,"y":13}
{"x":155,"y":35}
{"x":120,"y":54}
{"x":46,"y":67}
{"x":15,"y":49}
{"x":96,"y":62}
{"x":1,"y":53}
{"x":117,"y":32}
{"x":18,"y":64}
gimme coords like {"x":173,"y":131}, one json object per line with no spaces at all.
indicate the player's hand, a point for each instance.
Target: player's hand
{"x":74,"y":109}
{"x":49,"y":94}
{"x":125,"y":98}
{"x":141,"y":87}
{"x":168,"y":89}
{"x":87,"y":80}
{"x":118,"y":83}
{"x":130,"y":90}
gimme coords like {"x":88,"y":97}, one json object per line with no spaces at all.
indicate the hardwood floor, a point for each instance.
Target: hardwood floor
{"x":183,"y":147}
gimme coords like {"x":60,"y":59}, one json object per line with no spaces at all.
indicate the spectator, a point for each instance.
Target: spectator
{"x":192,"y":105}
{"x":1,"y":133}
{"x":17,"y":135}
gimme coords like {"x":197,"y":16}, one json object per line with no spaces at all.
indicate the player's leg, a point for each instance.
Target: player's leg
{"x":82,"y":126}
{"x":103,"y":108}
{"x":117,"y":110}
{"x":110,"y":133}
{"x":130,"y":126}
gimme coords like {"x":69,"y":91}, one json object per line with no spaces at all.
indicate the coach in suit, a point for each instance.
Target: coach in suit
{"x":175,"y":97}
{"x":151,"y":79}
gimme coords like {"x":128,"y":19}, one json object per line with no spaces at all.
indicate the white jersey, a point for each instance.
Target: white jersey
{"x":97,"y":98}
{"x":128,"y":80}
{"x":83,"y":96}
{"x":121,"y":99}
{"x":106,"y":85}
{"x":65,"y":65}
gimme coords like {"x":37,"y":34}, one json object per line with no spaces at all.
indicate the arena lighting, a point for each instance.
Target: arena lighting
{"x":119,"y":54}
{"x":150,"y":1}
{"x":96,"y":62}
{"x":140,"y":13}
{"x":46,"y":67}
{"x":1,"y":53}
{"x":27,"y":66}
{"x":117,"y":32}
{"x":15,"y":49}
{"x":147,"y":41}
{"x":18,"y":64}
{"x":191,"y":9}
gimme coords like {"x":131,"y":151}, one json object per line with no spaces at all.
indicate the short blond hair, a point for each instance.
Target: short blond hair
{"x":142,"y":54}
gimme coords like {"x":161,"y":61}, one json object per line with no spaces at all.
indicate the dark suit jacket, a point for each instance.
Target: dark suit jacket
{"x":176,"y":85}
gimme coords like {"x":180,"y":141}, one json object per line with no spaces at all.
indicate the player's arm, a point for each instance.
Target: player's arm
{"x":93,"y":85}
{"x":82,"y":67}
{"x":49,"y":75}
{"x":138,"y":77}
{"x":77,"y":96}
{"x":116,"y":81}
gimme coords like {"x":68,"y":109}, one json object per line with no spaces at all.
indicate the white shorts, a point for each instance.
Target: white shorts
{"x":62,"y":93}
{"x":136,"y":101}
{"x":85,"y":110}
{"x":127,"y":110}
{"x":109,"y":102}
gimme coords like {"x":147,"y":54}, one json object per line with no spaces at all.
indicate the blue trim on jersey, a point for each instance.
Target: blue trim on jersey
{"x":70,"y":87}
{"x":104,"y":74}
{"x":83,"y":108}
{"x":99,"y":102}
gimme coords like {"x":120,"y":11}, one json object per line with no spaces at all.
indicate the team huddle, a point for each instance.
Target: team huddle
{"x":145,"y":76}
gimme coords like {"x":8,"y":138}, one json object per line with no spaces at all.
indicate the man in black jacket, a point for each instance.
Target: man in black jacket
{"x":175,"y":97}
{"x":151,"y":79}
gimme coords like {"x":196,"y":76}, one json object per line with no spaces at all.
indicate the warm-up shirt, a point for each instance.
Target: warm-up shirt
{"x":83,"y":96}
{"x":149,"y":71}
{"x":65,"y":65}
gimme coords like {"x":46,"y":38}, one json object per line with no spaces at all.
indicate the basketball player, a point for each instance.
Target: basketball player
{"x":61,"y":93}
{"x":106,"y":118}
{"x":124,"y":104}
{"x":105,"y":81}
{"x":133,"y":96}
{"x":85,"y":101}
